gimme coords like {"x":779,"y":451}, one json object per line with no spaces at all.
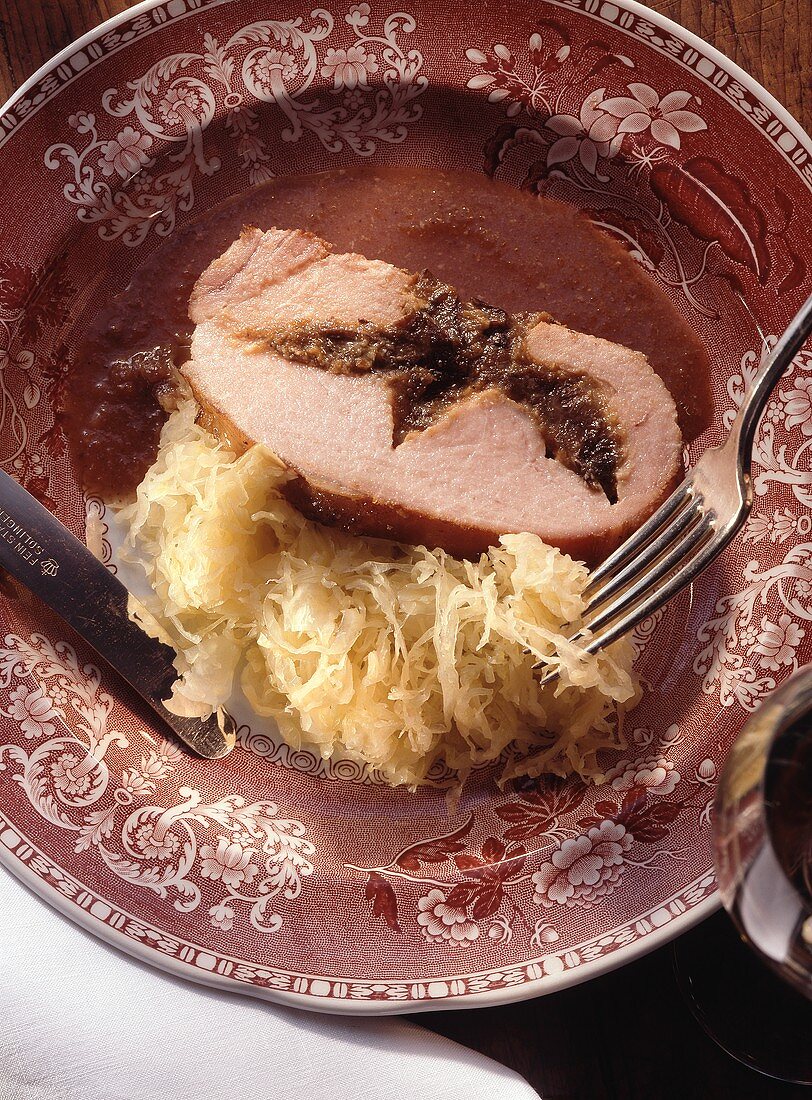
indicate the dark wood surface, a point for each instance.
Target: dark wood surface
{"x":629,"y":1035}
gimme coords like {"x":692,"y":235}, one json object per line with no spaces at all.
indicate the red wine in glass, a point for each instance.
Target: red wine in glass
{"x":752,"y":991}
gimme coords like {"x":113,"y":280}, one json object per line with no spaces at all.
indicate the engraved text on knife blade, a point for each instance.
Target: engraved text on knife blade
{"x":25,"y":545}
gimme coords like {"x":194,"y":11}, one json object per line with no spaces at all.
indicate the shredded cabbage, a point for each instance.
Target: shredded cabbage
{"x":395,"y":655}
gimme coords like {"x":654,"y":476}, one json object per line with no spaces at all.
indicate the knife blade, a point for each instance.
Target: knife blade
{"x":48,"y":560}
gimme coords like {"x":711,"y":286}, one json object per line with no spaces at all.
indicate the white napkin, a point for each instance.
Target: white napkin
{"x":79,"y":1021}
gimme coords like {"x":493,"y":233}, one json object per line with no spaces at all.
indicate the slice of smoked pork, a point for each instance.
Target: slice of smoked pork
{"x":480,"y":469}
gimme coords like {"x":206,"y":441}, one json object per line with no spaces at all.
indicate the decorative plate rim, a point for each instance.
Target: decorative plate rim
{"x":549,"y":983}
{"x":788,"y":120}
{"x":530,"y":987}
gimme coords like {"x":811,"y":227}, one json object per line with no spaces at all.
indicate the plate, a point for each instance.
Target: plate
{"x":307,"y":881}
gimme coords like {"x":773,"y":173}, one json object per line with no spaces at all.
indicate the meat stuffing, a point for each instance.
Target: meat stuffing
{"x":411,"y":415}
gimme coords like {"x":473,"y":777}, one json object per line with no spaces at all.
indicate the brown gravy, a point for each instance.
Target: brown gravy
{"x":487,"y":239}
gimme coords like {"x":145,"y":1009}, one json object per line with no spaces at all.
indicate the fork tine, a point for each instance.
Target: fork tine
{"x":689,"y":515}
{"x":680,"y":549}
{"x":703,"y":555}
{"x":634,"y":543}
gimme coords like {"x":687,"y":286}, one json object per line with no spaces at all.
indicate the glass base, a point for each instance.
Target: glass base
{"x":742,"y":1005}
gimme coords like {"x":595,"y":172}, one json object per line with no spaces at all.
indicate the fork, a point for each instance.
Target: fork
{"x":695,"y":523}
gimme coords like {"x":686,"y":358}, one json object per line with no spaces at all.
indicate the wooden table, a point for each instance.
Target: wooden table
{"x":629,"y":1035}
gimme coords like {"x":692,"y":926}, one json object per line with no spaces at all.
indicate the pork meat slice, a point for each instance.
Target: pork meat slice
{"x":481,"y":468}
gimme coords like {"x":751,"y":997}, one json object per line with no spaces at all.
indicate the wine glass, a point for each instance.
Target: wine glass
{"x":756,"y":1000}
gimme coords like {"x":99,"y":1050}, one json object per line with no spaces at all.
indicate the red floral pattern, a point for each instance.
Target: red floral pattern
{"x":196,"y":866}
{"x":585,"y":869}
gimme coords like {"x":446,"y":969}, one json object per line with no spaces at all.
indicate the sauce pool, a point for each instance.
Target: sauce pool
{"x":485,"y":238}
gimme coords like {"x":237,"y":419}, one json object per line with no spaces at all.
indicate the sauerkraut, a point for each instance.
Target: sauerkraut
{"x":395,"y":655}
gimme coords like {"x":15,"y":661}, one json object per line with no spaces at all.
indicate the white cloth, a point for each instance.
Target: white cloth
{"x":80,"y":1021}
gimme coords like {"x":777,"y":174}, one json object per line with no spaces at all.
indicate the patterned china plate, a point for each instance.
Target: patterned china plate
{"x":274,"y":872}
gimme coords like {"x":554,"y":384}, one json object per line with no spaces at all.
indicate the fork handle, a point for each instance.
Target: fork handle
{"x":765,"y":381}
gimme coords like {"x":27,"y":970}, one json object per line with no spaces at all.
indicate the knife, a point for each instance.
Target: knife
{"x":45,"y":557}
